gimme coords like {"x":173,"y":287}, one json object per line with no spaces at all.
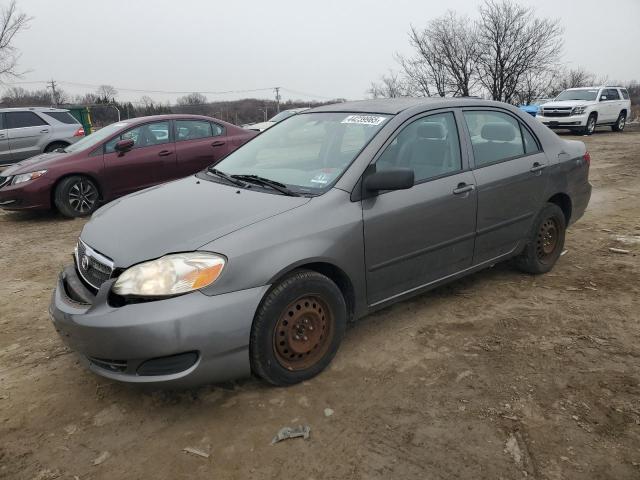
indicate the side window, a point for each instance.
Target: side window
{"x":530,"y":144}
{"x":217,"y":129}
{"x":625,"y":93}
{"x":143,"y":136}
{"x":495,"y":136}
{"x":430,"y":146}
{"x":192,"y":130}
{"x":612,"y":94}
{"x":23,"y":119}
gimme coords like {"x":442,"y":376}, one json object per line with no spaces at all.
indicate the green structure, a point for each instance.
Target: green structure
{"x":81,"y":114}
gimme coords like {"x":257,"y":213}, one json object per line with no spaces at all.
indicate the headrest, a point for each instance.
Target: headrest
{"x":500,"y":132}
{"x":431,"y":130}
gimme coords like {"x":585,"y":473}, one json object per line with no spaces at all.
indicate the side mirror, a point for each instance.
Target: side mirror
{"x":124,"y":145}
{"x":603,"y":98}
{"x":392,"y":179}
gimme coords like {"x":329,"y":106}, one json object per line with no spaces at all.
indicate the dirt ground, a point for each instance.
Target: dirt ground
{"x":497,"y":376}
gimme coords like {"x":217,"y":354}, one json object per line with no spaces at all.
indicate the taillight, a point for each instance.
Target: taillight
{"x":79,"y":132}
{"x":587,"y":158}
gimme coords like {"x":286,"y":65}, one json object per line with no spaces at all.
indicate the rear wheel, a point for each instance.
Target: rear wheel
{"x":545,"y":243}
{"x":54,"y":146}
{"x":620,"y":123}
{"x":76,"y":196}
{"x":298,"y":328}
{"x":590,"y":127}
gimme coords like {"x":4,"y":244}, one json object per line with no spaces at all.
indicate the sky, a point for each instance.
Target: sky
{"x":312,"y":50}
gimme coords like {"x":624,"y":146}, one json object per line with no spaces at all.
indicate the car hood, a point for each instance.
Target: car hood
{"x":566,"y":103}
{"x":179,"y":216}
{"x":39,"y":162}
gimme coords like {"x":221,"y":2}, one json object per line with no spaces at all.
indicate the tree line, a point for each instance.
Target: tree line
{"x":506,"y":53}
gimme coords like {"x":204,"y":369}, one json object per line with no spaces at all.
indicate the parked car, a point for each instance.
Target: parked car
{"x":25,"y":132}
{"x":262,"y":126}
{"x":257,"y":264}
{"x":117,"y":160}
{"x":584,"y":109}
{"x":532,"y":107}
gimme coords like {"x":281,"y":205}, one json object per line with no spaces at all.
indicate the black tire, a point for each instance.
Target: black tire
{"x":590,"y":127}
{"x":289,"y":341}
{"x":620,"y":123}
{"x":545,"y":243}
{"x":76,"y":196}
{"x":54,"y":146}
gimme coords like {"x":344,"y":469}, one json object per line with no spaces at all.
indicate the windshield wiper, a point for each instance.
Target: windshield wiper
{"x":224,"y":176}
{"x":280,"y":187}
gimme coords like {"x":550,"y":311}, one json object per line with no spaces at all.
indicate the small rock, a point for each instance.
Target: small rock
{"x":328,"y":412}
{"x":101,"y":458}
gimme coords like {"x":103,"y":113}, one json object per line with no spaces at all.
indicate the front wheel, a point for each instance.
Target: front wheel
{"x":620,"y":123}
{"x":297,"y":329}
{"x":76,"y":196}
{"x":590,"y":127}
{"x":545,"y":242}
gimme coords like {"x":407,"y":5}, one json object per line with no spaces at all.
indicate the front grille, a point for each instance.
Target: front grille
{"x":4,"y":181}
{"x":557,"y":112}
{"x":111,"y":365}
{"x":93,"y":267}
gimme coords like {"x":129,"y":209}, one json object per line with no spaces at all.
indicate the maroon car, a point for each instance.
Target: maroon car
{"x":116,"y":160}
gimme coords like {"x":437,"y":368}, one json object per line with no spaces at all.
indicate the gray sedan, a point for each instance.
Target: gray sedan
{"x":258,"y":263}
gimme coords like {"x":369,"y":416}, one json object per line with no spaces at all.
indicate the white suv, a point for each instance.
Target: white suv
{"x":583,"y":109}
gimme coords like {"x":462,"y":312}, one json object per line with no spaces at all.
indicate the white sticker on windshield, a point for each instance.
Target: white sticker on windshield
{"x":364,"y":119}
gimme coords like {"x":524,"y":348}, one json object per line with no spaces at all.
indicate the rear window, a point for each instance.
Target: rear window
{"x":624,"y":93}
{"x":64,"y":117}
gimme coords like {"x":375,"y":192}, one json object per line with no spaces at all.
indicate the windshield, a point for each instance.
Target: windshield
{"x":588,"y":95}
{"x":95,"y":138}
{"x":281,"y":116}
{"x":307,"y":152}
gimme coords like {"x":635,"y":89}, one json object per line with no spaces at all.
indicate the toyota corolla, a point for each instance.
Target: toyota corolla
{"x":258,"y":263}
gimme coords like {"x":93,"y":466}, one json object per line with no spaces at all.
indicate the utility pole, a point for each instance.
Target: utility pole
{"x":277,"y":89}
{"x":54,"y":95}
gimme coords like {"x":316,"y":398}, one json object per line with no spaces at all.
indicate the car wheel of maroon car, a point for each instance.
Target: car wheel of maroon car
{"x":76,"y":196}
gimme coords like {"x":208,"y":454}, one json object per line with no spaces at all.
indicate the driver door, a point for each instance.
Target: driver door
{"x":152,"y":159}
{"x":418,"y":236}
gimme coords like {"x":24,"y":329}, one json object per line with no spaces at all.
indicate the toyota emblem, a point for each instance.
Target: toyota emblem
{"x":84,"y":263}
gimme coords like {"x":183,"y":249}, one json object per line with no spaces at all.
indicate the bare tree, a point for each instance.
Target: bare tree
{"x":192,"y":99}
{"x":389,"y":86}
{"x":12,"y":22}
{"x":106,"y":93}
{"x":513,"y":42}
{"x":574,"y":78}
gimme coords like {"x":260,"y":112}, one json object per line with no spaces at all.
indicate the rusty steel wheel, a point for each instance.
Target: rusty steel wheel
{"x":545,"y":242}
{"x":303,"y":333}
{"x":298,"y":328}
{"x":547,"y":239}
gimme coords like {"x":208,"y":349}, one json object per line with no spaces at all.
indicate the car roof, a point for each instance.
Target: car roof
{"x":393,"y":106}
{"x":170,"y":116}
{"x":33,"y":109}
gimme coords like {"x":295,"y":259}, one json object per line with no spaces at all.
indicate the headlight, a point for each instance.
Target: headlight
{"x":578,"y":110}
{"x":170,"y":275}
{"x":25,"y":177}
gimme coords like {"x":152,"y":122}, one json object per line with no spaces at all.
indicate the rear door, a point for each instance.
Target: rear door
{"x":152,"y":160}
{"x":510,"y":170}
{"x":5,"y":151}
{"x":27,"y":134}
{"x":417,"y":236}
{"x":199,"y":143}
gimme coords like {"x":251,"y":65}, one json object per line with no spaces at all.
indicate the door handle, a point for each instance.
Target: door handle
{"x":463,"y":188}
{"x":44,"y":131}
{"x":536,"y":167}
{"x":218,"y":143}
{"x":164,"y":153}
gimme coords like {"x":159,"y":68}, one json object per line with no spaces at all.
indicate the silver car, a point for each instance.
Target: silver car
{"x":26,"y":132}
{"x":258,"y":263}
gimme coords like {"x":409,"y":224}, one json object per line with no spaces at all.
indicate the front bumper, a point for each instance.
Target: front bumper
{"x":32,"y":195}
{"x":573,"y":121}
{"x":115,"y":342}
